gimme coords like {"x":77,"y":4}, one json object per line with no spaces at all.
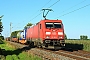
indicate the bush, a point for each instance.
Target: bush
{"x":85,"y":43}
{"x":15,"y":57}
{"x":9,"y":57}
{"x":1,"y":37}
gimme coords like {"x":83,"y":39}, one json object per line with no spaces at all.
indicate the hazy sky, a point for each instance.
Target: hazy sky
{"x":75,"y":14}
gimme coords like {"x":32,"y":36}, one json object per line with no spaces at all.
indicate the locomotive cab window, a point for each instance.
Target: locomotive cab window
{"x":49,"y":25}
{"x":53,"y":25}
{"x":57,"y":25}
{"x":40,"y":26}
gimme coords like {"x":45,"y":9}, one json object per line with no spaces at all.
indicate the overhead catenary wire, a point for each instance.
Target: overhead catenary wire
{"x":48,"y":7}
{"x":42,"y":7}
{"x":74,"y":10}
{"x":39,"y":10}
{"x":36,"y":16}
{"x":73,"y":6}
{"x":51,"y":6}
{"x":54,"y":3}
{"x":16,"y":25}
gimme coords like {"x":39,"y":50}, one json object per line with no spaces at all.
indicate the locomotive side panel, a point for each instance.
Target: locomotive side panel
{"x":29,"y":35}
{"x":35,"y":32}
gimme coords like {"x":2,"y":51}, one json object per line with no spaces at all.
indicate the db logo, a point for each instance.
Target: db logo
{"x":54,"y":33}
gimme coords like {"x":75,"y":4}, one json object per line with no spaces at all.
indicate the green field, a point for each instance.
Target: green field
{"x":22,"y":56}
{"x":15,"y":54}
{"x":84,"y":44}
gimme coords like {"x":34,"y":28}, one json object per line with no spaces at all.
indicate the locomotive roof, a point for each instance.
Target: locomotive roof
{"x":51,"y":20}
{"x":47,"y":20}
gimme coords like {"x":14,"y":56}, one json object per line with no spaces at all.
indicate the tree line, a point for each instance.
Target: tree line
{"x":1,"y":28}
{"x":82,"y":37}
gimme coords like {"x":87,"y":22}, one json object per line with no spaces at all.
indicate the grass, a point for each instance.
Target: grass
{"x":9,"y":57}
{"x":24,"y":56}
{"x":85,"y":43}
{"x":7,"y":46}
{"x":15,"y":57}
{"x":13,"y":54}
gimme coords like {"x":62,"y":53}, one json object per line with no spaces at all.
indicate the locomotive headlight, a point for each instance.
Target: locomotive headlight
{"x":60,"y":33}
{"x":47,"y":36}
{"x":48,"y":33}
{"x":60,"y":37}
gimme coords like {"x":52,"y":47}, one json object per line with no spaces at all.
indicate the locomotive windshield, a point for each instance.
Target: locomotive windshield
{"x":53,"y":25}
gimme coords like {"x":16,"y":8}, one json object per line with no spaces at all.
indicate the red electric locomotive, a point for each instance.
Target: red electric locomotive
{"x":46,"y":33}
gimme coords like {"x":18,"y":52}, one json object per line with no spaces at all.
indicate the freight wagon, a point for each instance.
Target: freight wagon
{"x":22,"y":37}
{"x":7,"y":38}
{"x":14,"y":39}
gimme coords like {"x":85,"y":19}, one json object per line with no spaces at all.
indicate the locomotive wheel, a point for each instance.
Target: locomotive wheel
{"x":39,"y":45}
{"x":31,"y":44}
{"x":46,"y":45}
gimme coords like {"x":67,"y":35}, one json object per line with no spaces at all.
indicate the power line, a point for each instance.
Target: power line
{"x":74,"y":10}
{"x":48,"y":7}
{"x":15,"y":25}
{"x":38,"y":11}
{"x":42,"y":7}
{"x":54,"y":3}
{"x":73,"y":6}
{"x":47,"y":3}
{"x":35,"y":16}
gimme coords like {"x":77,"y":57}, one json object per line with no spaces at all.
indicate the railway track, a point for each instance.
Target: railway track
{"x":17,"y":45}
{"x":57,"y":55}
{"x":62,"y":55}
{"x":75,"y":55}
